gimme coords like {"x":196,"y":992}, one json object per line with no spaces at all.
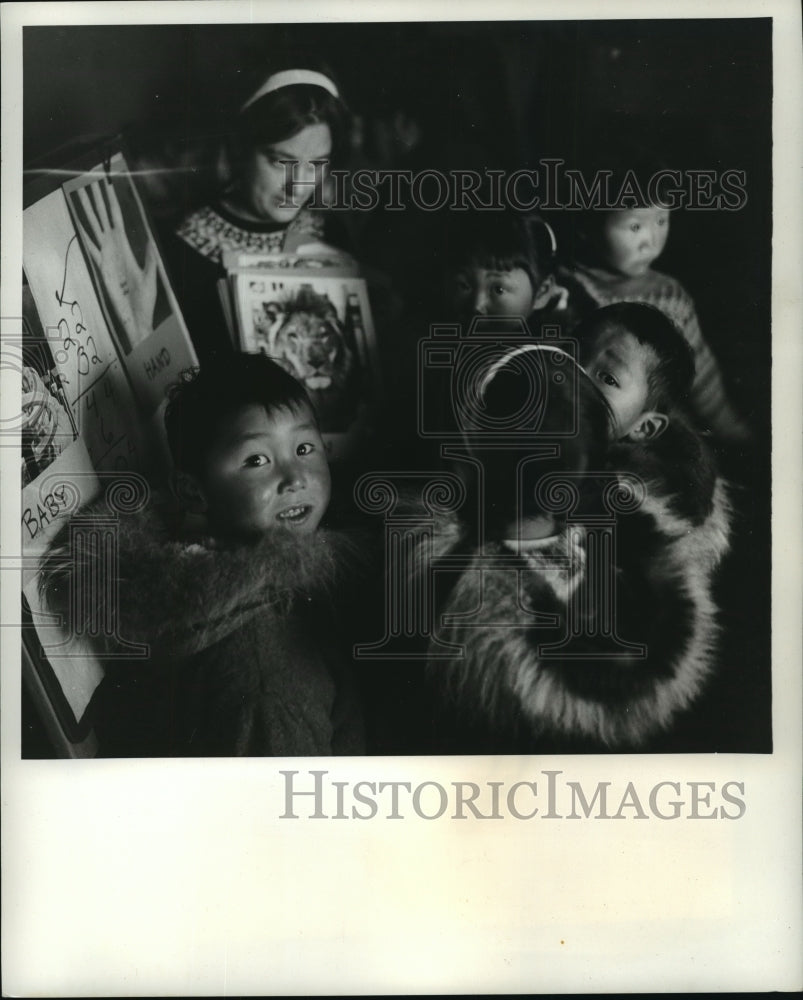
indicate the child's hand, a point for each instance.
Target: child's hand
{"x":131,"y":290}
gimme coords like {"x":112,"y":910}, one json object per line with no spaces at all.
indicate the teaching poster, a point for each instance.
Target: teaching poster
{"x":102,"y":340}
{"x":141,"y":309}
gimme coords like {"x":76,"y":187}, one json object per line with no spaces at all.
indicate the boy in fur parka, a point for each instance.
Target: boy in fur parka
{"x":566,"y":646}
{"x":234,"y":599}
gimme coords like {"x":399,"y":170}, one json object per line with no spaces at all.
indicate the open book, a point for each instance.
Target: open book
{"x":310,"y":311}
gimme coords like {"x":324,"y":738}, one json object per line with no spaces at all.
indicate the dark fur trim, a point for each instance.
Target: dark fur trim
{"x":181,"y":596}
{"x":664,"y":568}
{"x":678,"y":466}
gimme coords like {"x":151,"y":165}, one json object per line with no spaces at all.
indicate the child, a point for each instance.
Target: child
{"x":544,"y":630}
{"x":502,"y":264}
{"x":233,"y":601}
{"x":498,"y":273}
{"x":294,"y":121}
{"x":615,"y":254}
{"x":645,"y":369}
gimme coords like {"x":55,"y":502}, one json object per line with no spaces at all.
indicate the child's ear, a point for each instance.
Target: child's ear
{"x":544,"y":292}
{"x":189,"y":492}
{"x":649,"y":426}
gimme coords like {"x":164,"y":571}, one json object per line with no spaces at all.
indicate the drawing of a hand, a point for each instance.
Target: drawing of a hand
{"x":130,"y":289}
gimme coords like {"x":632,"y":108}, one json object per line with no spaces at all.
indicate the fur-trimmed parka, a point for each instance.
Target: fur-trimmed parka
{"x":507,"y":691}
{"x":243,"y":654}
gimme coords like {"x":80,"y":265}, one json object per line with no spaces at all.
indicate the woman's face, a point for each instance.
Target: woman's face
{"x":278,"y":180}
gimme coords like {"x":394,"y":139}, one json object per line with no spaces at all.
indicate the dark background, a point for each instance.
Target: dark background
{"x":500,"y":94}
{"x":496,"y":94}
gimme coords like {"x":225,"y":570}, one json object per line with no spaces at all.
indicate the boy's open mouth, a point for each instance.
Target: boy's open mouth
{"x":294,"y":515}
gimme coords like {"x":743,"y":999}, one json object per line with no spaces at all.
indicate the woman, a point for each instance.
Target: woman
{"x":284,"y":138}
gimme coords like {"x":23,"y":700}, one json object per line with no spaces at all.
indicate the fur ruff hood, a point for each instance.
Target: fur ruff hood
{"x":179,"y":595}
{"x":503,"y":683}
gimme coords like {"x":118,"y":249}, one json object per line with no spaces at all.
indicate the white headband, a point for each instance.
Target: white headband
{"x":289,"y":78}
{"x":500,"y":363}
{"x":553,"y":242}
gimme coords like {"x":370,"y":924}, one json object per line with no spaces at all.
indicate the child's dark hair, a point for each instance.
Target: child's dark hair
{"x":627,"y":168}
{"x":204,"y":398}
{"x":670,"y":378}
{"x":502,"y":241}
{"x":627,"y":174}
{"x":570,"y":414}
{"x":282,"y":114}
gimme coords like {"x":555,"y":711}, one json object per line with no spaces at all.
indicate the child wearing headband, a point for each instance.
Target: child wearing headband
{"x":284,"y":136}
{"x":502,"y":264}
{"x":564,"y":626}
{"x":497,"y":266}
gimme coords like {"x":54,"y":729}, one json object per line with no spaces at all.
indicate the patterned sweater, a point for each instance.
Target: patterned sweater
{"x":193,"y":253}
{"x":211,"y":230}
{"x":592,"y":287}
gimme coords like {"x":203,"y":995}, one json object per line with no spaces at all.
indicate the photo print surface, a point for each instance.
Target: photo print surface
{"x":530,"y":311}
{"x":494,"y":688}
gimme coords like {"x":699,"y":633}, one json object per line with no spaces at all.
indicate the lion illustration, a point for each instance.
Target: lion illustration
{"x":306,"y":336}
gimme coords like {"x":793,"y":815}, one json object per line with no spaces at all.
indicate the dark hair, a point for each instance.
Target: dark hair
{"x":669,"y":379}
{"x":569,"y":411}
{"x":501,"y":241}
{"x":282,"y":114}
{"x":203,"y":398}
{"x":627,"y":169}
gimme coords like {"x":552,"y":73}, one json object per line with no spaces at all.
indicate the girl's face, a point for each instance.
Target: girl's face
{"x":273,"y":191}
{"x":479,"y":292}
{"x":632,"y":239}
